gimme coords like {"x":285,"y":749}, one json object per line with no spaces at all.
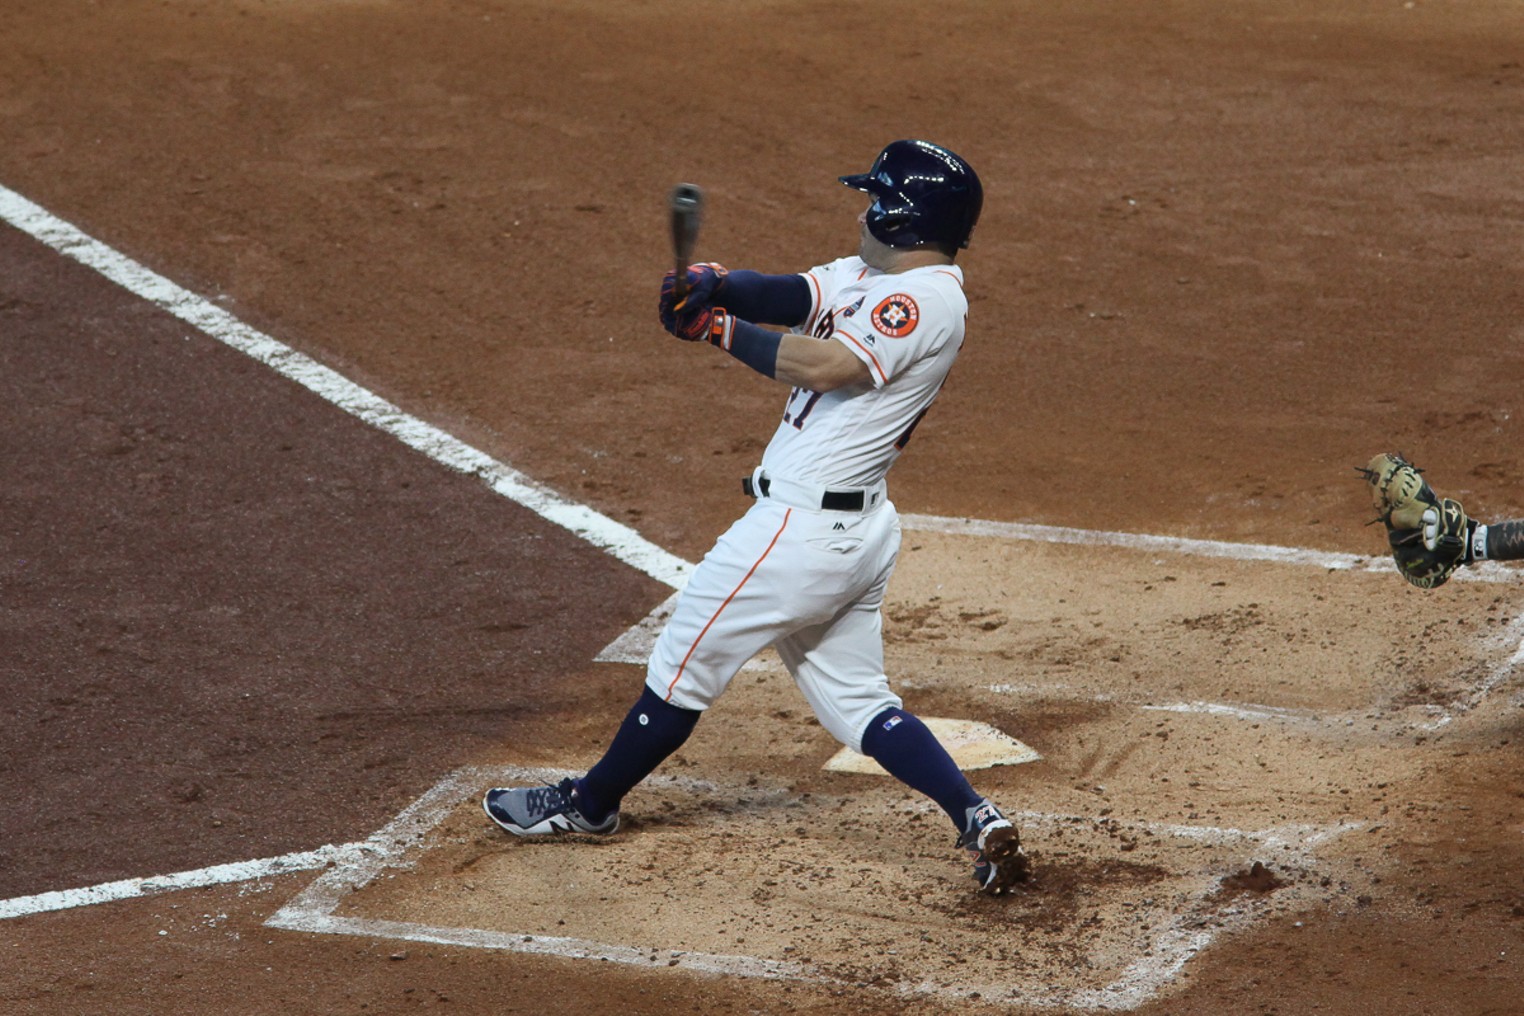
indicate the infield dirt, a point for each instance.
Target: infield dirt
{"x":1228,"y":252}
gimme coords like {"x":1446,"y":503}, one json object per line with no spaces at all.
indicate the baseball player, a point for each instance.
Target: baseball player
{"x":1431,"y":536}
{"x":869,"y":343}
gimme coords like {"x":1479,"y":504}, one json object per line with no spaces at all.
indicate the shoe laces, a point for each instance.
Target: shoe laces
{"x":550,"y":799}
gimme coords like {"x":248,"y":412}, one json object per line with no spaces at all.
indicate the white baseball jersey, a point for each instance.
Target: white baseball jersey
{"x":793,"y":573}
{"x":907,"y":328}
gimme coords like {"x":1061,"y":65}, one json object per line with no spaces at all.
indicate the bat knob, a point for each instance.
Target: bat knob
{"x":687,"y":195}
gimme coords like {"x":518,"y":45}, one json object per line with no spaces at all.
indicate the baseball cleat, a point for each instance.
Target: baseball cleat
{"x":543,"y":811}
{"x":995,"y":847}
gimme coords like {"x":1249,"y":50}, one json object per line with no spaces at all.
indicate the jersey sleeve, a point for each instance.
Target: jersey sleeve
{"x":823,"y":281}
{"x":901,"y":321}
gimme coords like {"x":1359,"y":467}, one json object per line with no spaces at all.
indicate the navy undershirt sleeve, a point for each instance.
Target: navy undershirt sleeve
{"x":765,"y":299}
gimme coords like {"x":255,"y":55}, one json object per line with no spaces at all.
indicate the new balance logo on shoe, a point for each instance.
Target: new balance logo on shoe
{"x":543,"y":811}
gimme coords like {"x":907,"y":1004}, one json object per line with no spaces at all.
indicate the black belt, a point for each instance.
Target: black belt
{"x":831,"y":500}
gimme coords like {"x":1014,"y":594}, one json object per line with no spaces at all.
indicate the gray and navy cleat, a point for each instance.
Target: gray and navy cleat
{"x":993,"y":843}
{"x":542,"y":811}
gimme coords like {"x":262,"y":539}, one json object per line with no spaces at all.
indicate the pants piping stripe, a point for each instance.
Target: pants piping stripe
{"x":691,"y":649}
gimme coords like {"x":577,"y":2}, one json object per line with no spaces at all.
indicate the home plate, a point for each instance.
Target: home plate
{"x":973,"y":745}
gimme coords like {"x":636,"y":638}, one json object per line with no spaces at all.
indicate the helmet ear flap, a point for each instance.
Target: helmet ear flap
{"x":889,"y":222}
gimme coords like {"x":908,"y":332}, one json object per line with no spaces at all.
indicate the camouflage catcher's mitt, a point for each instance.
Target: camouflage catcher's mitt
{"x":1429,"y":535}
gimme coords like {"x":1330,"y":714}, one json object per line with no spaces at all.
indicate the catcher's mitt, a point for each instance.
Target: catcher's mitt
{"x":1429,"y":535}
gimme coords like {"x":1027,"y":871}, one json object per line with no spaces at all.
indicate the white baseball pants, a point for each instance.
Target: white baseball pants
{"x":806,"y":581}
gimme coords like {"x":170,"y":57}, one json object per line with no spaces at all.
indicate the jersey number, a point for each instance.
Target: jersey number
{"x":823,"y":329}
{"x":796,"y":417}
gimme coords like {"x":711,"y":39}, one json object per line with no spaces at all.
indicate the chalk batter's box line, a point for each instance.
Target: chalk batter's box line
{"x":1181,"y":935}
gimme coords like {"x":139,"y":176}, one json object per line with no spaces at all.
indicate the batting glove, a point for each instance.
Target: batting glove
{"x":697,"y":323}
{"x":704,"y":281}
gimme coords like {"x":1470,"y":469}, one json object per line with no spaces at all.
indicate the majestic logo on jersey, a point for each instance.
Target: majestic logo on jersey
{"x":896,"y":316}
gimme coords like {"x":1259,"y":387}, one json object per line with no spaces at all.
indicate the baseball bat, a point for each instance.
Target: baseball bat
{"x":686,"y":207}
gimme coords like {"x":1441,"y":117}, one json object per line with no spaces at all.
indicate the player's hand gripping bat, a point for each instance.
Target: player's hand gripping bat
{"x":686,"y":207}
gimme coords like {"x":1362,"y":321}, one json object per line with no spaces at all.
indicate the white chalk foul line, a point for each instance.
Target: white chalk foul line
{"x":1485,"y":572}
{"x":616,"y":539}
{"x":220,"y":874}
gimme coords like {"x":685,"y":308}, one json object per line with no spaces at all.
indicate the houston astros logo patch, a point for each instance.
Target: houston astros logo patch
{"x":896,"y":316}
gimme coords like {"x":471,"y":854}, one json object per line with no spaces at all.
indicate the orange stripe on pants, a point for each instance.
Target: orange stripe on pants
{"x":693,"y":648}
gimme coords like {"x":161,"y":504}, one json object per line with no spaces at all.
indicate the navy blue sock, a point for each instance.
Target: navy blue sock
{"x":651,"y":731}
{"x":911,"y":753}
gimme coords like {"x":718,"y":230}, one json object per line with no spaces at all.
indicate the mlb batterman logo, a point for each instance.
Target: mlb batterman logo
{"x":896,"y":316}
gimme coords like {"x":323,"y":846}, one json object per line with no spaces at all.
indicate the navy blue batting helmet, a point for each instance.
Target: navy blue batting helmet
{"x":922,"y":193}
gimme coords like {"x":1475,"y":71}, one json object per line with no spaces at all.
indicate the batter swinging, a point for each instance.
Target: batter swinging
{"x":871,"y":340}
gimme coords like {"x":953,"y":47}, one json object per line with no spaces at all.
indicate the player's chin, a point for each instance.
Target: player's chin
{"x":870,"y":250}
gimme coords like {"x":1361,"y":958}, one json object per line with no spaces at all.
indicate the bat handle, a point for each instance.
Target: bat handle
{"x":680,"y":284}
{"x":686,"y":204}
